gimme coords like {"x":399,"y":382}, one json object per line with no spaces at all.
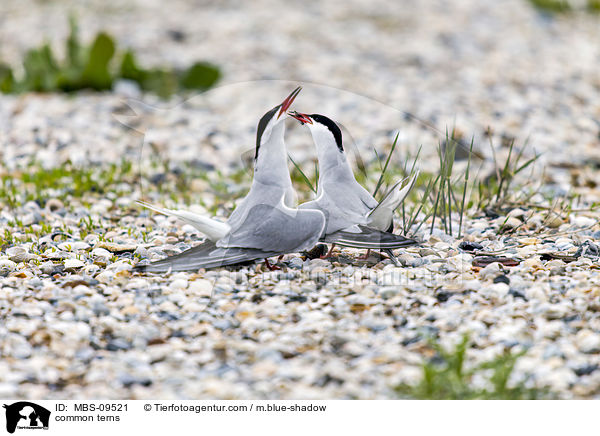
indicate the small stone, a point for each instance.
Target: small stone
{"x":491,"y":271}
{"x":54,"y":205}
{"x":140,"y":251}
{"x":18,"y":254}
{"x":178,"y":284}
{"x":588,"y":341}
{"x":7,"y":265}
{"x":296,"y":263}
{"x":554,"y":221}
{"x":222,"y":324}
{"x":389,"y":292}
{"x":116,"y":247}
{"x":502,"y":279}
{"x":583,"y":221}
{"x":118,"y":344}
{"x":101,"y":252}
{"x":470,"y":246}
{"x":495,"y":292}
{"x":529,"y":241}
{"x":532,"y":262}
{"x":201,"y":288}
{"x":508,"y":223}
{"x":72,"y":264}
{"x":427,"y":252}
{"x":555,"y":311}
{"x":106,"y":277}
{"x":130,"y":310}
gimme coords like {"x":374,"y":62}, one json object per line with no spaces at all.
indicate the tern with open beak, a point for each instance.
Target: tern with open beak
{"x":354,"y":217}
{"x":264,"y":224}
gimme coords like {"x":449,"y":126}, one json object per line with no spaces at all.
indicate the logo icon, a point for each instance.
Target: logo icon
{"x":26,"y":415}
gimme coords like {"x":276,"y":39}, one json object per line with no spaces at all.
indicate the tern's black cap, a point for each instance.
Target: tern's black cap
{"x":262,"y":125}
{"x":332,"y":126}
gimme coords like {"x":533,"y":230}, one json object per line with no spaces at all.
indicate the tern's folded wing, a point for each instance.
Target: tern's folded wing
{"x":205,"y":255}
{"x":369,"y":238}
{"x":277,"y":229}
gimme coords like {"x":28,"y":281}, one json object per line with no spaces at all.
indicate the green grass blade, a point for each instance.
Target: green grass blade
{"x":380,"y":181}
{"x":304,"y":177}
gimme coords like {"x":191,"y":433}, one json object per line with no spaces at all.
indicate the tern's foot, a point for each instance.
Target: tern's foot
{"x":365,"y":256}
{"x":328,"y":255}
{"x":271,"y":267}
{"x":372,"y":258}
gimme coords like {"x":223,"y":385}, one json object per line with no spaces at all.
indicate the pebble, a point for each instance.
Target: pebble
{"x":201,"y":288}
{"x":583,"y":221}
{"x":7,"y":265}
{"x":19,"y":254}
{"x":554,"y":221}
{"x":72,"y":264}
{"x":491,"y":271}
{"x":588,"y":341}
{"x":295,"y":263}
{"x":116,"y":247}
{"x":509,"y":223}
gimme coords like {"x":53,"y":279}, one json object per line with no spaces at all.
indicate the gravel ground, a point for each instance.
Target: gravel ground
{"x":77,"y":323}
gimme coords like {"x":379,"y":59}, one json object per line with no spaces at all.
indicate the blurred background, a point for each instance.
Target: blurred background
{"x":517,"y":68}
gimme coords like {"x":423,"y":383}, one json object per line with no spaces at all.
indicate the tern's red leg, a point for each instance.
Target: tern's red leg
{"x":328,"y":255}
{"x":365,"y":256}
{"x":271,"y":267}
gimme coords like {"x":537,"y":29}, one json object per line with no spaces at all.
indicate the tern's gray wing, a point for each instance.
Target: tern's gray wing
{"x":205,"y":255}
{"x":341,"y":209}
{"x":369,"y":238}
{"x":342,"y":199}
{"x":277,"y":229}
{"x":259,"y":193}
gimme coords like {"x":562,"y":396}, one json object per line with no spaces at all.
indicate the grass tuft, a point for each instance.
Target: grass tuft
{"x":445,"y":377}
{"x":566,"y":6}
{"x":552,"y":6}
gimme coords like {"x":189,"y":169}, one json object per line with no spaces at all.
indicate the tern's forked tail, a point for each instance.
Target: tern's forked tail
{"x":382,"y":215}
{"x":213,"y":229}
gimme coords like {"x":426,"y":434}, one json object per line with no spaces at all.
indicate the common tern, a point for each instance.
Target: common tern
{"x":264,"y":224}
{"x":354,"y":217}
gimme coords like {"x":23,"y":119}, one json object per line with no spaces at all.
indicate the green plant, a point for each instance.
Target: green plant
{"x":565,"y":6}
{"x":7,"y":80}
{"x":593,"y":6}
{"x":445,"y":190}
{"x":554,"y":6}
{"x":92,"y":68}
{"x":385,"y":167}
{"x":464,"y":193}
{"x":35,"y":183}
{"x":447,"y":196}
{"x":8,"y":239}
{"x":495,"y":191}
{"x":446,"y":378}
{"x":9,"y":193}
{"x":299,"y":175}
{"x":440,"y":191}
{"x":164,"y":82}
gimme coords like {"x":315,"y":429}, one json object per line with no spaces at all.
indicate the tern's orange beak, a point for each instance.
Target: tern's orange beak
{"x":303,"y":118}
{"x":288,"y":101}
